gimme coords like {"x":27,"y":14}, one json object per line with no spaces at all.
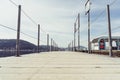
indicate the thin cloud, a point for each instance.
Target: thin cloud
{"x":57,"y":18}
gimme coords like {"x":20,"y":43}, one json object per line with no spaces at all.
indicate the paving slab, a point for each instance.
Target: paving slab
{"x":60,"y":66}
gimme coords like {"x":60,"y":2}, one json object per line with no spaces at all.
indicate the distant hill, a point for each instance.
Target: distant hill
{"x":8,"y":44}
{"x":8,"y":47}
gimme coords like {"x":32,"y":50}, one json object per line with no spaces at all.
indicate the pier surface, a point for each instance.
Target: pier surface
{"x":60,"y":66}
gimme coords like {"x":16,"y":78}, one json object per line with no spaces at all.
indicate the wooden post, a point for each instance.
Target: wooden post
{"x":89,"y":46}
{"x":109,"y":29}
{"x":78,"y":31}
{"x":48,"y":42}
{"x":51,"y":45}
{"x":38,"y":39}
{"x":72,"y":46}
{"x":74,"y":37}
{"x":18,"y":32}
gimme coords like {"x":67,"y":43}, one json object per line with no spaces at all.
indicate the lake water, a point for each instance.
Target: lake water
{"x":13,"y":53}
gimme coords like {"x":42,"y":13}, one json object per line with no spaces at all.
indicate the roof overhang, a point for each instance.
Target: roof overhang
{"x":96,"y":40}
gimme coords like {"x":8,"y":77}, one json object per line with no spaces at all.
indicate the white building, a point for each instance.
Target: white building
{"x":101,"y":43}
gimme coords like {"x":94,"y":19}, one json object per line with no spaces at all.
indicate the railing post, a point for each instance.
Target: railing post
{"x":38,"y":47}
{"x":109,"y":29}
{"x":18,"y":32}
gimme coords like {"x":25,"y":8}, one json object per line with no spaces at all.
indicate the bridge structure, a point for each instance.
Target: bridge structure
{"x":74,"y":45}
{"x":54,"y":64}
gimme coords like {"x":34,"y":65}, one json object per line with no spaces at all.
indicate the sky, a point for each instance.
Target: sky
{"x":57,"y":18}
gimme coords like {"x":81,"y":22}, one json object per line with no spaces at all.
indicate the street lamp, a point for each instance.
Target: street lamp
{"x":87,"y":9}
